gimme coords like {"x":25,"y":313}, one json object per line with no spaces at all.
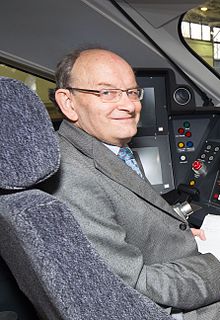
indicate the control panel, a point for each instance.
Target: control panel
{"x":204,"y":170}
{"x":186,"y":135}
{"x":195,"y":149}
{"x":215,"y":195}
{"x":178,"y":142}
{"x":207,"y":159}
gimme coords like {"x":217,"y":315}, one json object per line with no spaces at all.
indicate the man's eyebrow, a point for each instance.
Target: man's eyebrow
{"x":105,"y":84}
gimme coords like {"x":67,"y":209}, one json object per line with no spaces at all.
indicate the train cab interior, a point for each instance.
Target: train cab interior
{"x":178,"y":138}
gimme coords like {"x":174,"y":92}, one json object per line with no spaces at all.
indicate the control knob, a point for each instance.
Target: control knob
{"x":199,"y":167}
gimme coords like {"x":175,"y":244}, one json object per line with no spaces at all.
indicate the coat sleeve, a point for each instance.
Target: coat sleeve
{"x":186,"y":284}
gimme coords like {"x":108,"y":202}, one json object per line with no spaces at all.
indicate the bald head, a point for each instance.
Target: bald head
{"x":90,"y":63}
{"x":71,"y":68}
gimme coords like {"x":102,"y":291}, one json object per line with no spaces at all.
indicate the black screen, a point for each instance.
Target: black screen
{"x":153,"y":118}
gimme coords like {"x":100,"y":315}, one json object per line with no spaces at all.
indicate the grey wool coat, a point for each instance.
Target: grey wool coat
{"x":134,"y":229}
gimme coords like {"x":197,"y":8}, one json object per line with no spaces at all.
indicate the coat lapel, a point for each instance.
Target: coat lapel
{"x":108,"y":163}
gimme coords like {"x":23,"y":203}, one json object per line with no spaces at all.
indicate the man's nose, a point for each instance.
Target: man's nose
{"x":126,"y":103}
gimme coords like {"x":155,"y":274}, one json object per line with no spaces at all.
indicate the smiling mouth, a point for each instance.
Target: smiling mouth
{"x":124,"y":118}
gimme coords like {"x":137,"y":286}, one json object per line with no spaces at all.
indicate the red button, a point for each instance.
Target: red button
{"x":181,"y":131}
{"x":197,"y":165}
{"x":215,"y":196}
{"x":188,"y":134}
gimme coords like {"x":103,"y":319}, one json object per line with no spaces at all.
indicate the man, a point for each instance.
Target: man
{"x":135,"y":231}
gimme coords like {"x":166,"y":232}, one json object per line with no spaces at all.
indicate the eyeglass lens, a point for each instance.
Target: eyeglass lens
{"x":115,"y":95}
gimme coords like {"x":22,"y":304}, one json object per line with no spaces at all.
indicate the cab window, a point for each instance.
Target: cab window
{"x":200,"y":30}
{"x":39,"y":85}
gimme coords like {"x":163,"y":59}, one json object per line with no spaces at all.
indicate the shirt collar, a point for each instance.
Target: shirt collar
{"x":114,"y":149}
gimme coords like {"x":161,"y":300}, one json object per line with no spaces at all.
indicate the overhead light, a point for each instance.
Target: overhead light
{"x":204,"y":9}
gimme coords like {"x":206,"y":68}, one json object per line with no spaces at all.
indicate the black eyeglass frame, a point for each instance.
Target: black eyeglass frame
{"x":98,"y":92}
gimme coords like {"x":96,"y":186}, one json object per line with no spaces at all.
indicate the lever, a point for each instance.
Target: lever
{"x":199,"y":167}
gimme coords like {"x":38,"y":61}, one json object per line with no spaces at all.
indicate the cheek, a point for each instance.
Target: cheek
{"x":86,"y":111}
{"x":95,"y":119}
{"x":138,"y":117}
{"x":138,"y":112}
{"x":138,"y":108}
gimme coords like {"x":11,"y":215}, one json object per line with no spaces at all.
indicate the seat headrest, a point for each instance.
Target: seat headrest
{"x":29,"y":150}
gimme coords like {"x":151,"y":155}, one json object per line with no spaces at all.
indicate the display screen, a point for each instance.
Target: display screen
{"x":150,"y":159}
{"x":148,"y":114}
{"x":153,"y":117}
{"x":152,"y":139}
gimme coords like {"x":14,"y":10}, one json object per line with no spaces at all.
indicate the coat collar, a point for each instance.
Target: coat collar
{"x":110,"y":165}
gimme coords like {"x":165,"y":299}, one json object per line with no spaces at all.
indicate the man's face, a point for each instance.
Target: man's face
{"x":111,"y":122}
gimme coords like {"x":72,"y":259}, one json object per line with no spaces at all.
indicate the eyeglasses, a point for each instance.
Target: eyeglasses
{"x":113,"y":95}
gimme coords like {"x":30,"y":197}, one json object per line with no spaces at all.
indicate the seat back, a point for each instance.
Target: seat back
{"x":51,"y":259}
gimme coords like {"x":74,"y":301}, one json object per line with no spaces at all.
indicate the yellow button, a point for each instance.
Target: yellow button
{"x":192,"y":183}
{"x":181,"y":144}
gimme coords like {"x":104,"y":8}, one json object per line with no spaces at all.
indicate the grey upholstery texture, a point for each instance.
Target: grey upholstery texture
{"x":44,"y":247}
{"x":58,"y":269}
{"x":28,"y":144}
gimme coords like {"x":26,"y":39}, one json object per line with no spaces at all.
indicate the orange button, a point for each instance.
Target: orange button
{"x":192,"y":183}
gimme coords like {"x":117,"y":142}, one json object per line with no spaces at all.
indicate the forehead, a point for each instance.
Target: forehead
{"x":103,"y":67}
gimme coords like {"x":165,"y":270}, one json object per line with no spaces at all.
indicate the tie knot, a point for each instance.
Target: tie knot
{"x":125,"y":154}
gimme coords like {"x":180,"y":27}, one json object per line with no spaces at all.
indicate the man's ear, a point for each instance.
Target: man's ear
{"x":65,"y":102}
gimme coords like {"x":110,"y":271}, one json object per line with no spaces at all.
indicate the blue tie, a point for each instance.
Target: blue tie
{"x":127,"y":156}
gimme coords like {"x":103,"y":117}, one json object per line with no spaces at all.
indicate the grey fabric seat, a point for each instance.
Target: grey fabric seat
{"x":44,"y":247}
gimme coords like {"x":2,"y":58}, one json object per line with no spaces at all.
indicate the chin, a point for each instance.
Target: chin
{"x":125,"y":139}
{"x":129,"y":134}
{"x":122,"y":135}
